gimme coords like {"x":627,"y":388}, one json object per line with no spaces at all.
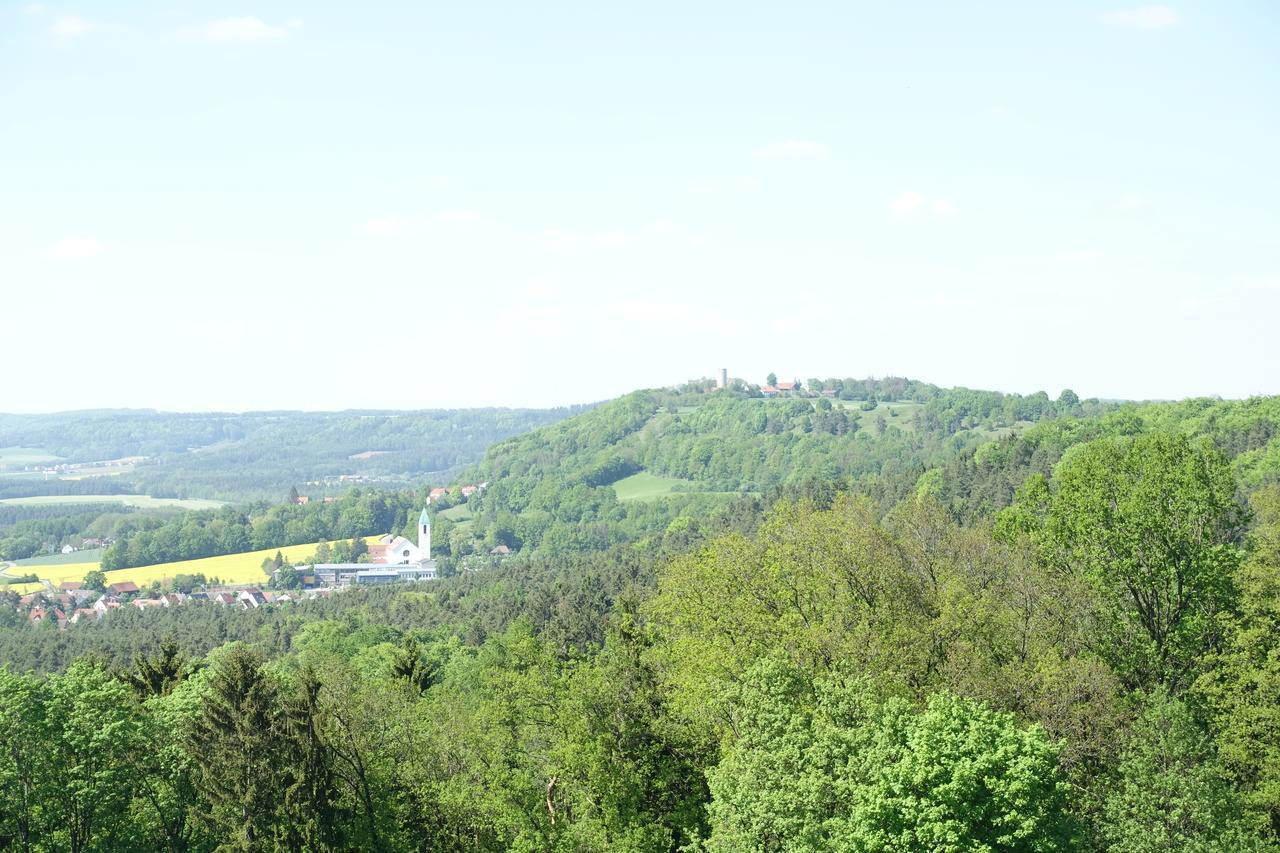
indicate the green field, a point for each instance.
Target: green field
{"x":140,"y":501}
{"x":645,"y":486}
{"x":89,"y":555}
{"x":456,"y":513}
{"x":10,"y":456}
{"x":460,"y":515}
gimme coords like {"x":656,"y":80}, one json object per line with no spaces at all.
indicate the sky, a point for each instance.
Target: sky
{"x":276,"y":205}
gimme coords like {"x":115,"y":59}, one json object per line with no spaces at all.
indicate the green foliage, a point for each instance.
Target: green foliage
{"x":239,"y":733}
{"x":828,"y":765}
{"x":288,"y":577}
{"x":1242,"y":688}
{"x":234,"y":530}
{"x":92,"y":742}
{"x":568,"y":487}
{"x":1153,"y":524}
{"x":848,"y":653}
{"x":1169,"y":792}
{"x":158,"y":675}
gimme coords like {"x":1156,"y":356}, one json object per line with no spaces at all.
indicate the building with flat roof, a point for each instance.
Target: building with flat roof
{"x":396,"y":559}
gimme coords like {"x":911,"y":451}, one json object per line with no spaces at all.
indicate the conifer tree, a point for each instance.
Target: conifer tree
{"x":237,"y":738}
{"x":314,"y":817}
{"x":157,"y":676}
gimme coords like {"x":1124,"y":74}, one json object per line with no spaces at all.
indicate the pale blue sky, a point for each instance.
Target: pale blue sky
{"x":318,"y":205}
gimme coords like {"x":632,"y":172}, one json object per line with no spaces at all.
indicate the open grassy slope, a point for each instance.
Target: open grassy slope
{"x":645,"y":486}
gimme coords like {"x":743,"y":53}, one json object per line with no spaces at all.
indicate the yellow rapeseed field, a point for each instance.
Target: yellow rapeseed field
{"x":230,"y":568}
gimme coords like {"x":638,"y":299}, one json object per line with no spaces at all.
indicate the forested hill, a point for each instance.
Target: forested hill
{"x":632,"y":467}
{"x":956,"y":653}
{"x":246,"y":456}
{"x":660,"y":463}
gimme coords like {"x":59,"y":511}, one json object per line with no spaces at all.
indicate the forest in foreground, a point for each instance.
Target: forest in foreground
{"x":1063,"y":639}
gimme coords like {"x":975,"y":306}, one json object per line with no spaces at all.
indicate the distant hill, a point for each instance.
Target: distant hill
{"x":239,"y":457}
{"x":657,"y":464}
{"x":631,"y":467}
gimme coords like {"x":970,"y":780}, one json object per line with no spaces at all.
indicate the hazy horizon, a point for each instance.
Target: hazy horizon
{"x":567,"y":405}
{"x":289,"y":206}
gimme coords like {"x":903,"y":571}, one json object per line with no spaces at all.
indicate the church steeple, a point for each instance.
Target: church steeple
{"x":424,"y":534}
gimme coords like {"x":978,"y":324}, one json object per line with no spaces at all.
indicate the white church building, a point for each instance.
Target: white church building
{"x":394,"y":559}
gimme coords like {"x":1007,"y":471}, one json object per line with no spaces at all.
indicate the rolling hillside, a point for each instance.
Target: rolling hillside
{"x":248,"y":456}
{"x":629,"y":468}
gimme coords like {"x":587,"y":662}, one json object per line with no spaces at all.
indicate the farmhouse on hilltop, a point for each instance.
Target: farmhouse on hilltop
{"x":396,"y":559}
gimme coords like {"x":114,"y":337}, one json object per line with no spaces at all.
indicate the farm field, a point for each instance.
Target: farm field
{"x":645,"y":486}
{"x":89,"y":555}
{"x":140,"y":501}
{"x":245,"y":567}
{"x":25,"y":456}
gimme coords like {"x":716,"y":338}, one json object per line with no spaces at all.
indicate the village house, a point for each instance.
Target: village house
{"x":85,"y":614}
{"x":106,"y":602}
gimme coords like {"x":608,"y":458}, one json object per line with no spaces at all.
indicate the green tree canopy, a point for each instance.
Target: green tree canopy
{"x":827,"y":765}
{"x":1153,"y":523}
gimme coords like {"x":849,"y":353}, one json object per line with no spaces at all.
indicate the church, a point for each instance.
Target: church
{"x":393,"y":559}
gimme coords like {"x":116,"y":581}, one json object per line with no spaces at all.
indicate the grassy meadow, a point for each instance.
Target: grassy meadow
{"x":645,"y":486}
{"x":88,"y":555}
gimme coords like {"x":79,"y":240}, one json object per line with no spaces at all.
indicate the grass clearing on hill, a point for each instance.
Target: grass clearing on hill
{"x":457,"y":513}
{"x":645,"y":486}
{"x":140,"y":501}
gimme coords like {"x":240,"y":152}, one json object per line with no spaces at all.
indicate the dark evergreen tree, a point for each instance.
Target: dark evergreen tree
{"x":158,"y":675}
{"x":238,"y":739}
{"x":314,"y":817}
